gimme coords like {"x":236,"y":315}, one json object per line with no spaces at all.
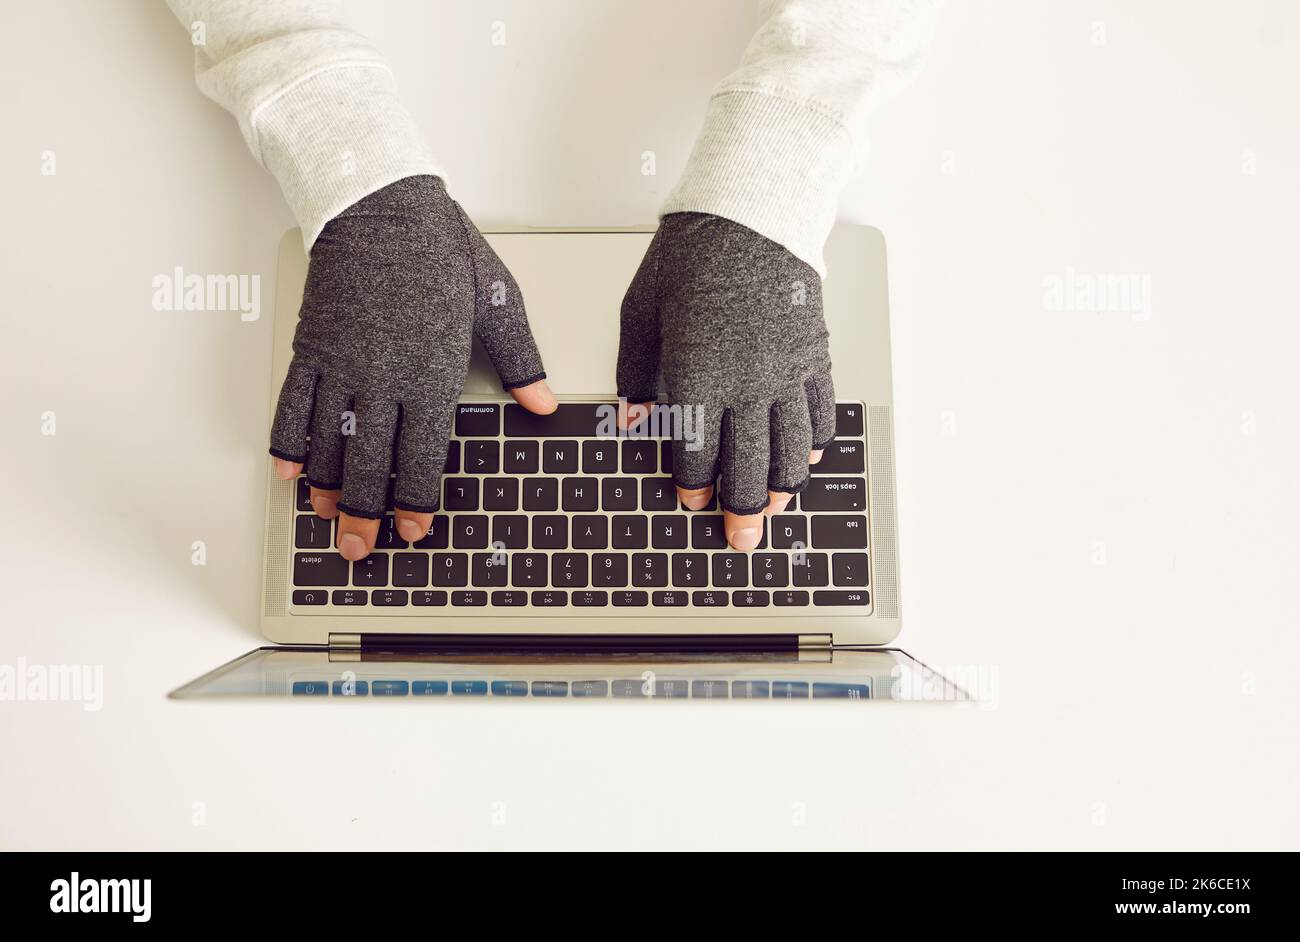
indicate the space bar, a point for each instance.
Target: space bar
{"x":571,"y":420}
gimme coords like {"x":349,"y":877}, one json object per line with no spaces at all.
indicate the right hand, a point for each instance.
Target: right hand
{"x":398,"y":285}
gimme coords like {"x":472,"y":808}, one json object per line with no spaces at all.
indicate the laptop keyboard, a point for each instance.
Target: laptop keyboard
{"x":537,"y":511}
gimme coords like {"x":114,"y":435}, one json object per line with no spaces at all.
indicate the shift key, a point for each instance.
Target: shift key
{"x":320,"y":569}
{"x":834,"y":494}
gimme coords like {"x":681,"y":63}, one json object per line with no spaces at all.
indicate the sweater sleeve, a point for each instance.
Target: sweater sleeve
{"x":314,"y":100}
{"x":785,"y":133}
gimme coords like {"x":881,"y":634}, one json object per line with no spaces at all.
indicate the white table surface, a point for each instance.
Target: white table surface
{"x":1102,"y":509}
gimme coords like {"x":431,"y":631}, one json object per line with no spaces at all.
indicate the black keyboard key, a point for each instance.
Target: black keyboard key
{"x":639,"y":457}
{"x":658,"y":494}
{"x":349,"y":597}
{"x":730,"y":570}
{"x":631,"y":598}
{"x":469,"y":598}
{"x":690,"y":569}
{"x":411,"y":569}
{"x":560,"y":457}
{"x":488,"y":569}
{"x":310,"y":597}
{"x":482,"y":457}
{"x":750,"y":598}
{"x":312,"y":532}
{"x":550,"y":532}
{"x":389,"y":598}
{"x":439,"y":535}
{"x":618,"y":494}
{"x":671,"y":599}
{"x":501,"y":494}
{"x":590,"y":599}
{"x":770,"y":570}
{"x":707,"y":532}
{"x":303,"y":491}
{"x":839,"y":532}
{"x":510,"y":599}
{"x":858,"y":597}
{"x":609,"y":570}
{"x":630,"y":532}
{"x":521,"y":457}
{"x":528,"y":570}
{"x":550,"y":599}
{"x":590,"y":532}
{"x":372,"y":571}
{"x":666,"y":457}
{"x":478,"y":420}
{"x":579,"y":494}
{"x":429,"y":597}
{"x":570,"y":420}
{"x":848,"y":420}
{"x":388,"y":537}
{"x":809,"y":569}
{"x":709,"y":599}
{"x":461,"y":494}
{"x":650,"y":570}
{"x":469,"y":531}
{"x":317,"y":569}
{"x":510,"y":531}
{"x":541,"y":494}
{"x":668,"y":532}
{"x":849,"y":569}
{"x":569,"y":570}
{"x":789,"y":530}
{"x":842,"y":457}
{"x":452,"y":464}
{"x":835,"y":494}
{"x":449,"y":569}
{"x":600,"y":457}
{"x":789,"y":597}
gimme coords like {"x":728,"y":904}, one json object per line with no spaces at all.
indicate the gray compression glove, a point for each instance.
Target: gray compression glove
{"x":735,"y":321}
{"x":398,"y":285}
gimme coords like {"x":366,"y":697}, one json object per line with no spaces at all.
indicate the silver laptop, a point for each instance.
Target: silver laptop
{"x":552,"y":538}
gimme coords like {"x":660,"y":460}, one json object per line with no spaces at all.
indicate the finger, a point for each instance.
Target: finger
{"x":744,"y":531}
{"x":293,"y":417}
{"x":325,"y":502}
{"x":776,"y":502}
{"x":536,"y":397}
{"x":368,"y":459}
{"x":421,"y":457}
{"x":357,"y":536}
{"x":696,"y":432}
{"x":632,"y":414}
{"x":695,"y":498}
{"x":500,"y":322}
{"x":815,"y":455}
{"x":332,"y":414}
{"x":287,"y":470}
{"x":412,"y":526}
{"x":639,"y":342}
{"x":791,"y":430}
{"x":820,"y":391}
{"x":743,"y":458}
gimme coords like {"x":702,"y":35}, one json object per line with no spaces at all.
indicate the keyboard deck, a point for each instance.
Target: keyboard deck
{"x":540,"y":512}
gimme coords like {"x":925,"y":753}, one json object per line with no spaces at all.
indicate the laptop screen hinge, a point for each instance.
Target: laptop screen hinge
{"x":344,"y":641}
{"x":359,"y":643}
{"x":814,"y":642}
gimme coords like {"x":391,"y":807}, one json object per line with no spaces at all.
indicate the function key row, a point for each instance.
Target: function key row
{"x":593,"y":420}
{"x":554,"y":598}
{"x":661,"y":688}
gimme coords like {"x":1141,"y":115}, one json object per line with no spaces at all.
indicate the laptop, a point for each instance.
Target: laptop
{"x":556,"y":541}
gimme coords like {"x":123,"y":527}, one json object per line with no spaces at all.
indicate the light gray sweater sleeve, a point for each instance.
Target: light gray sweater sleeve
{"x":315,"y":101}
{"x":785,"y":133}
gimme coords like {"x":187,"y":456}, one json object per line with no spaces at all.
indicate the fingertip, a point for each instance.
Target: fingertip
{"x":287,"y":470}
{"x":633,"y":413}
{"x":744,"y":533}
{"x":536,"y":398}
{"x":815,"y":455}
{"x":325,"y":503}
{"x":776,"y":502}
{"x":695,"y":499}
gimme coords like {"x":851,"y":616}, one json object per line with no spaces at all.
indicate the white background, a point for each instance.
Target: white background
{"x":1147,"y":701}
